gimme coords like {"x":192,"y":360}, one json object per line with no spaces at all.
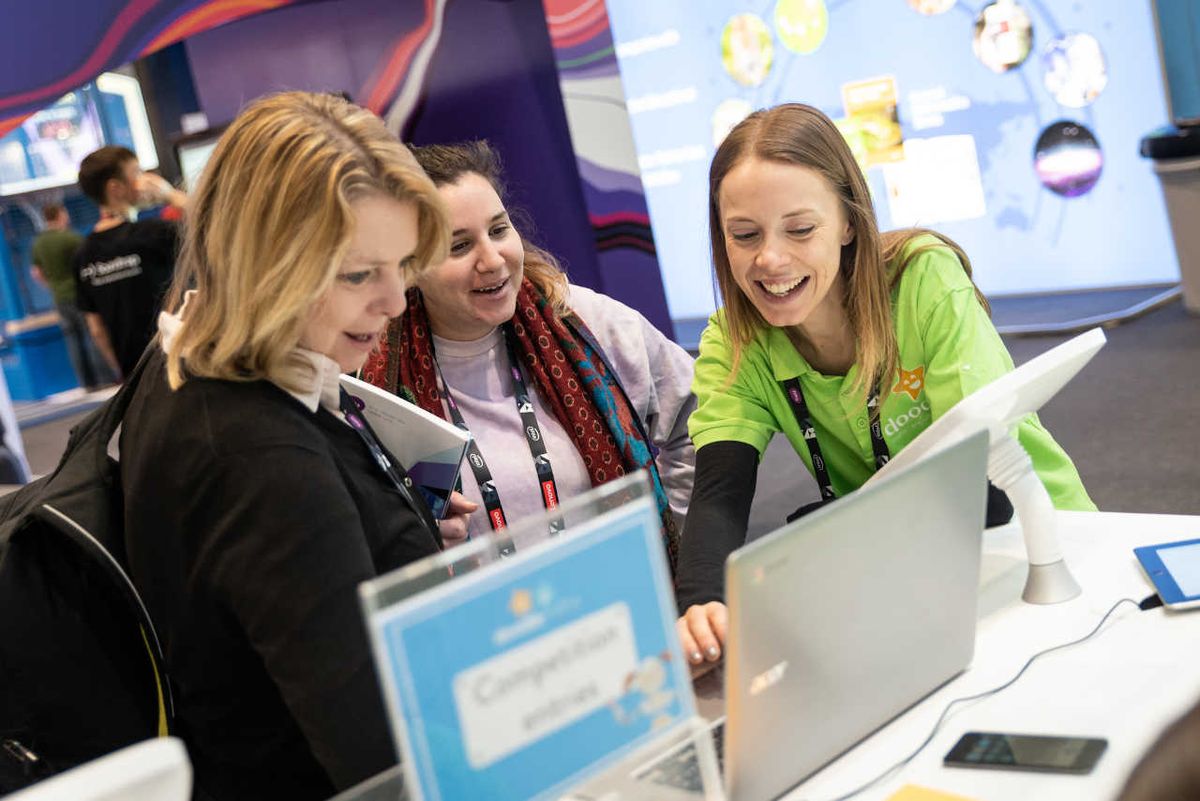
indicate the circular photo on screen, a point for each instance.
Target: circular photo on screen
{"x":801,"y":25}
{"x":728,"y":114}
{"x":1073,"y":69}
{"x":746,"y":49}
{"x":1068,"y":159}
{"x":1003,"y":35}
{"x":931,"y":7}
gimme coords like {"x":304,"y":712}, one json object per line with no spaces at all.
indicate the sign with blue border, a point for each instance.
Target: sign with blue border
{"x":523,"y":679}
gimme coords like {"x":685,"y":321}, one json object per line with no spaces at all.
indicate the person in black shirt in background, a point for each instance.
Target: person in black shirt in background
{"x":254,"y":507}
{"x":124,"y":267}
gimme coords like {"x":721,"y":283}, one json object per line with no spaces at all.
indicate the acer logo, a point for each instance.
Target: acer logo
{"x":768,"y":678}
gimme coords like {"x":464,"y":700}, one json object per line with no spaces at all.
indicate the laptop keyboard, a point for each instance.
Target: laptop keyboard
{"x":682,"y":770}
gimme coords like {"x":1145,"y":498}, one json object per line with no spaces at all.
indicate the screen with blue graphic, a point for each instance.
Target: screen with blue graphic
{"x":1010,"y":125}
{"x":522,"y":679}
{"x":45,"y":150}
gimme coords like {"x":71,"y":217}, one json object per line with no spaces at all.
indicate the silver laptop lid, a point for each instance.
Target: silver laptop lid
{"x":848,"y":616}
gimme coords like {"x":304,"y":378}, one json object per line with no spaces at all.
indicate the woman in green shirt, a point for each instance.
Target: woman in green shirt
{"x":847,"y":340}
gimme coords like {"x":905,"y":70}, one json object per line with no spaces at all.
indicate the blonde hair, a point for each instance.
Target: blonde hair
{"x":446,"y":164}
{"x":271,"y":221}
{"x":801,"y":135}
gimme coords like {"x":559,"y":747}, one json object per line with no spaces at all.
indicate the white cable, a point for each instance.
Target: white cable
{"x":946,"y":711}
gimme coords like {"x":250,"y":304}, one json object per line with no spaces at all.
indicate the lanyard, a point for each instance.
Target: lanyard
{"x":795,"y":395}
{"x":392,"y":469}
{"x":533,"y":436}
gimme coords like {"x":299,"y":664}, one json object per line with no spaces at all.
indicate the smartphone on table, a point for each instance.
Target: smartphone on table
{"x":977,"y":749}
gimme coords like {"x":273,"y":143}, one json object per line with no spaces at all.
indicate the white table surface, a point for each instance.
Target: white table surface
{"x":1125,"y":684}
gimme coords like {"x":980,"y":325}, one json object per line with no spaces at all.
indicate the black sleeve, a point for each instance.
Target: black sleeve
{"x":161,"y":237}
{"x":83,"y":289}
{"x":718,"y":516}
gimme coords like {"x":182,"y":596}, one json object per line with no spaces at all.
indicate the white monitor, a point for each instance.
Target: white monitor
{"x":997,"y":408}
{"x":1001,"y":404}
{"x":194,"y":152}
{"x":153,"y":770}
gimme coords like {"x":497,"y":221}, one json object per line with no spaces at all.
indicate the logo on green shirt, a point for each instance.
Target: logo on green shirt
{"x":911,"y":381}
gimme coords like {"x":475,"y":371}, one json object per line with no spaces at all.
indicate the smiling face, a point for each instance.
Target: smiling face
{"x":475,"y":289}
{"x":784,"y":229}
{"x":348,"y":320}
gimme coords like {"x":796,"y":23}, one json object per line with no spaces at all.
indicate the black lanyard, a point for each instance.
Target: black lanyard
{"x":795,"y":396}
{"x":392,"y":469}
{"x":537,"y":449}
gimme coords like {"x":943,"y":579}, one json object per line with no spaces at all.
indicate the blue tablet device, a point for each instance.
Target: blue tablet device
{"x":1174,"y":568}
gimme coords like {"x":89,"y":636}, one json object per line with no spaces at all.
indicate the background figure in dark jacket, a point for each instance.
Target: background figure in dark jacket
{"x":54,"y":251}
{"x":253,"y":509}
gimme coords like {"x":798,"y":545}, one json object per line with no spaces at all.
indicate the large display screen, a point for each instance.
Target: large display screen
{"x":46,"y":148}
{"x":1010,"y":125}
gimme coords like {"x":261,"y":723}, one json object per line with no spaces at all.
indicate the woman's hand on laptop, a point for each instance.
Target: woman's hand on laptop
{"x":702,"y":633}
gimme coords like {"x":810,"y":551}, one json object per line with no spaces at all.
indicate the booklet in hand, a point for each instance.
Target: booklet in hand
{"x":430,"y":449}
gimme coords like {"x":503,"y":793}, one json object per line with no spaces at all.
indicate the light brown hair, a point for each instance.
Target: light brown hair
{"x":797,"y":134}
{"x":269,"y":224}
{"x":446,"y":164}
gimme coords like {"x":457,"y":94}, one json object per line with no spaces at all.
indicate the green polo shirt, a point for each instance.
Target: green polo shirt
{"x":948,"y":349}
{"x":54,"y":252}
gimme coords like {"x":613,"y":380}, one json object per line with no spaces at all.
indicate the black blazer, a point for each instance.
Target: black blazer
{"x":249,"y":523}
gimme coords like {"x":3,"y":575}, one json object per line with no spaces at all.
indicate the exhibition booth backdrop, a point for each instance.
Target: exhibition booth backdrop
{"x":438,"y":71}
{"x":1012,"y":125}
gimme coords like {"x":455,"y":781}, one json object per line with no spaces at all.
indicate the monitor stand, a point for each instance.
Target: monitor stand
{"x":1010,"y":468}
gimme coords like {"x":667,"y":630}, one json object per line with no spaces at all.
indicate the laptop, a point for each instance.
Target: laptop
{"x":841,"y":621}
{"x":838,"y":623}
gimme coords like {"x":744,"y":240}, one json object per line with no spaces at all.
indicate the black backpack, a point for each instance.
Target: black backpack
{"x":81,"y":669}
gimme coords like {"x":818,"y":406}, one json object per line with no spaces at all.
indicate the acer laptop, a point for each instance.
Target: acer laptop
{"x":839,"y":622}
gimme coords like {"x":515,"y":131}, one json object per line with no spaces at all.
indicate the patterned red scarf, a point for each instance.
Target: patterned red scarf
{"x":568,"y":372}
